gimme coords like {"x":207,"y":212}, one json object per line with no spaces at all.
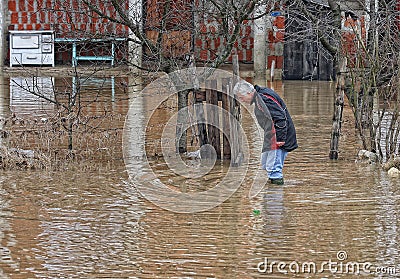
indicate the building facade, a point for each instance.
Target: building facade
{"x":259,"y":40}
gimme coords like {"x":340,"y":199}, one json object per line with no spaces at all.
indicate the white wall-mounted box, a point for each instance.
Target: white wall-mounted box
{"x":31,"y":47}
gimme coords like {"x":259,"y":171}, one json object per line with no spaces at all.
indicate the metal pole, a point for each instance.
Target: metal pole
{"x":74,"y":62}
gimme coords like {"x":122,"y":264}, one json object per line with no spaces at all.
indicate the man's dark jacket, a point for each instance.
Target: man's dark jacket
{"x":278,"y":113}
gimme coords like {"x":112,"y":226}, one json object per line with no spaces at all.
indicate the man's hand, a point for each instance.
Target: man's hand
{"x":280,"y":143}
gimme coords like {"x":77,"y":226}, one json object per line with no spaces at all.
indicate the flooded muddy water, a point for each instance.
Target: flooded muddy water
{"x":331,"y":219}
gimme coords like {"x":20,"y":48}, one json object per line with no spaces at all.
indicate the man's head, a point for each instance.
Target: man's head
{"x":244,"y":91}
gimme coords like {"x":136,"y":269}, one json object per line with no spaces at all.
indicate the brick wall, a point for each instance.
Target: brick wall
{"x":177,"y":16}
{"x":353,"y":30}
{"x":71,"y":18}
{"x":275,"y":41}
{"x":398,"y":14}
{"x":208,"y":42}
{"x":66,"y":17}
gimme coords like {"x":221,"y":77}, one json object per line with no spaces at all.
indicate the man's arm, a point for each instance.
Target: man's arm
{"x":278,"y":115}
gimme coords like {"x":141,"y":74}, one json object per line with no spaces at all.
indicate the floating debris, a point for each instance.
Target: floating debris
{"x":256,"y":212}
{"x":394,"y":172}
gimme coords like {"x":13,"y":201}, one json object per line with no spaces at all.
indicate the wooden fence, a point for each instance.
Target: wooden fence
{"x":224,"y":137}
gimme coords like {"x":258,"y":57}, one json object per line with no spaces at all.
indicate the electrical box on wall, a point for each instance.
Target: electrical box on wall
{"x":31,"y":47}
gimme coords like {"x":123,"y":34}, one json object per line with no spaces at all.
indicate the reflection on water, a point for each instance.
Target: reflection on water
{"x":4,"y":107}
{"x":24,"y":95}
{"x":29,"y":94}
{"x":95,"y":225}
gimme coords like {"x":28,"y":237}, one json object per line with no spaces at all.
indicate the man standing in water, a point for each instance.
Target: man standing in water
{"x":273,"y":117}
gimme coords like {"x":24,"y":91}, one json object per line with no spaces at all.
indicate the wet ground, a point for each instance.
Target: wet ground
{"x":329,"y":220}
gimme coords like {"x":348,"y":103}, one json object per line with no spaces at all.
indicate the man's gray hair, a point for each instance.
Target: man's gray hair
{"x":243,"y":88}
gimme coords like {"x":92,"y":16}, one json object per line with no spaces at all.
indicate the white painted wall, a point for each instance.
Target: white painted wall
{"x":3,"y":18}
{"x":260,"y":44}
{"x":135,"y":50}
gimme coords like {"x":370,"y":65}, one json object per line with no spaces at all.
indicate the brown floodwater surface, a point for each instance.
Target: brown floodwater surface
{"x":94,"y":224}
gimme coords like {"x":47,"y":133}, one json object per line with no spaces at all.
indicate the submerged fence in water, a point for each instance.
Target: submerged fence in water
{"x":224,"y":137}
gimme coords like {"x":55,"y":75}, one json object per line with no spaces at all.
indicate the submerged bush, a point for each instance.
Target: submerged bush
{"x":32,"y":143}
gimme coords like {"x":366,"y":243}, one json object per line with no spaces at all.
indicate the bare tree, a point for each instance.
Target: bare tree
{"x":363,"y":40}
{"x":161,"y":37}
{"x":63,"y":109}
{"x":375,"y":80}
{"x":167,"y":31}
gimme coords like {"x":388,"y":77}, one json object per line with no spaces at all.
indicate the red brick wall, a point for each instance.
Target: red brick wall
{"x":66,"y":17}
{"x":176,"y":40}
{"x":275,"y":41}
{"x":352,"y":46}
{"x":208,"y":43}
{"x":398,"y":14}
{"x":71,"y":18}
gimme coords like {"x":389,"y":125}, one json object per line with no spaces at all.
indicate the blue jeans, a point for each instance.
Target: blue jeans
{"x":272,"y":161}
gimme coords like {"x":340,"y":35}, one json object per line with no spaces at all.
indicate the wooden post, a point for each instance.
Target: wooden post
{"x":4,"y":108}
{"x":201,"y":127}
{"x":338,"y":113}
{"x":236,"y":141}
{"x":213,"y":118}
{"x":226,"y":100}
{"x":181,"y":132}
